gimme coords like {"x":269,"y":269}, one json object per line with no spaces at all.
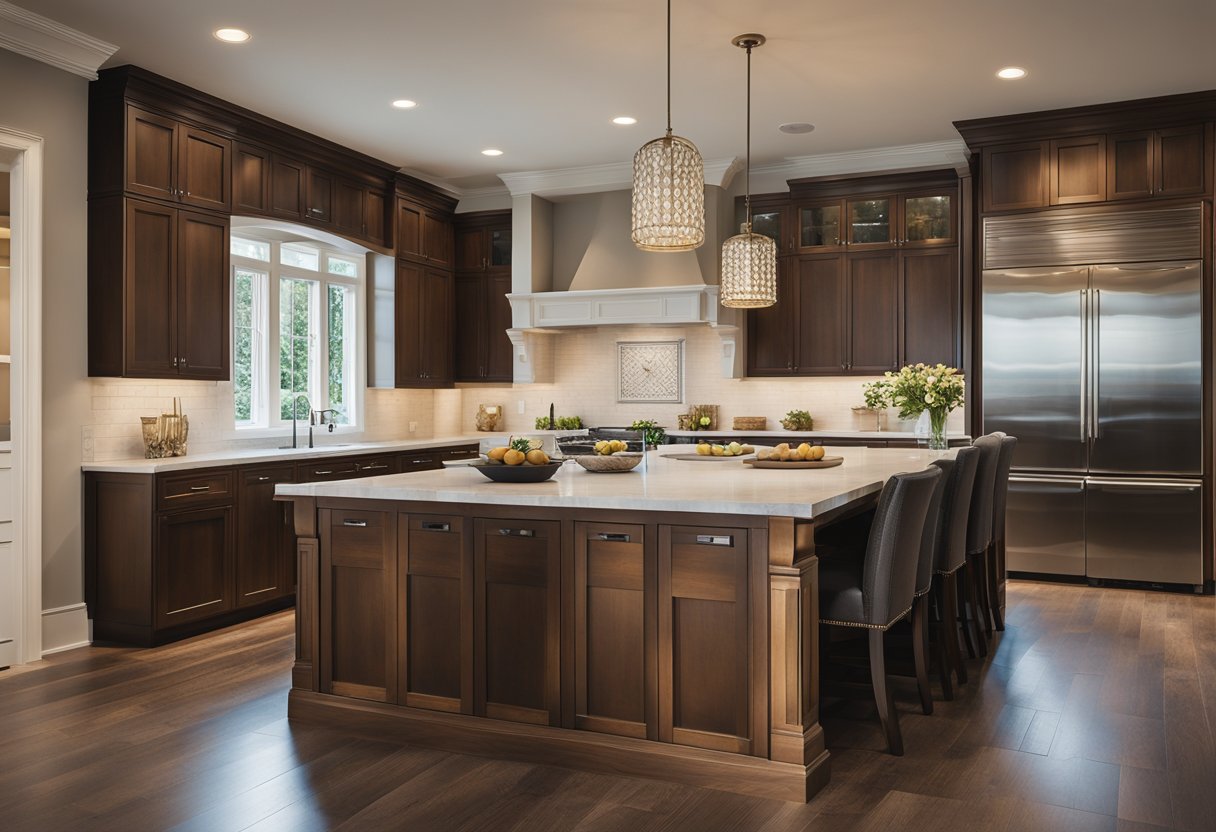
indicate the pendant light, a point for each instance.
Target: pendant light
{"x":668,"y":187}
{"x":749,"y":261}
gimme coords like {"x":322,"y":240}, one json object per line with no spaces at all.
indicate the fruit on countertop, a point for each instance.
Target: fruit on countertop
{"x":784,"y":453}
{"x":733,"y":449}
{"x":537,"y":457}
{"x":608,"y":447}
{"x":519,"y":452}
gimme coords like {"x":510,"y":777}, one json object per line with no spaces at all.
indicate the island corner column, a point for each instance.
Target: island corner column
{"x":795,"y":735}
{"x":306,"y":672}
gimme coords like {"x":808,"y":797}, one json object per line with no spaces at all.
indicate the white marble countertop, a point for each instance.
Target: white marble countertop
{"x":828,"y":434}
{"x":709,"y":487}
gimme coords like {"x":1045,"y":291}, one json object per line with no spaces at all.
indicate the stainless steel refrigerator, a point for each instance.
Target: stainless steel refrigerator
{"x":1098,"y":370}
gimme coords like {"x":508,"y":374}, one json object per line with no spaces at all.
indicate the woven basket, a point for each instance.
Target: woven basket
{"x":750,"y":423}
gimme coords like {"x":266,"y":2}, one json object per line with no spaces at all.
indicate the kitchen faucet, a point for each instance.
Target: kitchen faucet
{"x":315,"y":417}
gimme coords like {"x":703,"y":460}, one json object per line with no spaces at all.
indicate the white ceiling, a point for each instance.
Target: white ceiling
{"x":541,"y":79}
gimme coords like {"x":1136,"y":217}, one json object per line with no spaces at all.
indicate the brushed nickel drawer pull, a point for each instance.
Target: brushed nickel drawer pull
{"x":357,"y":524}
{"x":372,"y":467}
{"x":517,"y":532}
{"x":613,"y":537}
{"x":436,"y":527}
{"x":263,"y":479}
{"x":715,"y":539}
{"x":419,"y":461}
{"x":197,"y":488}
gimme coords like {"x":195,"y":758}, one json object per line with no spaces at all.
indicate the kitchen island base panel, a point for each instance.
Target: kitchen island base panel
{"x":480,"y":736}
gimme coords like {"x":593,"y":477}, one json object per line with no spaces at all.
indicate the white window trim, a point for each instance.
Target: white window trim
{"x":275,"y":270}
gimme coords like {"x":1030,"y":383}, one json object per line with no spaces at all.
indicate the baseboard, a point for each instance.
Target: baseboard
{"x":65,"y":628}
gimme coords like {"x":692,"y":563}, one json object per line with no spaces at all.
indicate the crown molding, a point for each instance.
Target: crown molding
{"x":952,"y":153}
{"x":51,"y":42}
{"x":589,"y":179}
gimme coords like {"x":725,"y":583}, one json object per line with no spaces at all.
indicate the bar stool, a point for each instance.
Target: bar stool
{"x":924,"y":584}
{"x":875,"y":591}
{"x":950,"y":557}
{"x":996,"y":552}
{"x":979,"y":539}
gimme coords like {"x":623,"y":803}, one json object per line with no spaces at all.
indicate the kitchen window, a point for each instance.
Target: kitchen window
{"x":295,"y":312}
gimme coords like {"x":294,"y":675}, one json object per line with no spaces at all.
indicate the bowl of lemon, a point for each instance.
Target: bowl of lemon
{"x":520,"y":460}
{"x":611,"y":457}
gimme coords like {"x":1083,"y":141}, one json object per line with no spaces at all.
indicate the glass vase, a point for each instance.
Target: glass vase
{"x":937,"y":428}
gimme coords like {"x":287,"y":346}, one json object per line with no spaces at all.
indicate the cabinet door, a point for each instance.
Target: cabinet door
{"x":517,"y":621}
{"x":500,"y":354}
{"x":193,"y":565}
{"x":202,"y":296}
{"x":320,"y":196}
{"x":359,"y":604}
{"x":471,"y":335}
{"x":1179,"y":156}
{"x":250,"y":180}
{"x":615,"y":630}
{"x":150,"y":326}
{"x":1078,"y":170}
{"x":265,"y":545}
{"x":435,"y":614}
{"x":772,"y":330}
{"x":772,"y":222}
{"x":348,"y":208}
{"x":930,"y":289}
{"x":435,"y":326}
{"x":204,"y":172}
{"x":408,"y":323}
{"x":499,"y":255}
{"x":409,"y":229}
{"x":820,"y":324}
{"x":704,"y":645}
{"x":873,"y":313}
{"x":926,"y":220}
{"x":820,"y":226}
{"x":1129,"y":170}
{"x":437,"y":241}
{"x":151,"y":154}
{"x":470,"y":249}
{"x":374,"y":206}
{"x":287,"y":184}
{"x":871,"y":222}
{"x":1015,"y":176}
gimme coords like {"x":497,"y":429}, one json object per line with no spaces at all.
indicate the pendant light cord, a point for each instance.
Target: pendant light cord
{"x":669,"y":68}
{"x":747,"y":178}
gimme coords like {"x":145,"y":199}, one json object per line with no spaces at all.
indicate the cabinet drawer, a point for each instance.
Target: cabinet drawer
{"x":195,"y":489}
{"x":376,"y":466}
{"x":357,"y":538}
{"x":425,"y":461}
{"x":462,"y":452}
{"x":323,"y":470}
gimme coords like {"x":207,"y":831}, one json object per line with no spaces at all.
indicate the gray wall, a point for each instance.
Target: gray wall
{"x":53,"y":104}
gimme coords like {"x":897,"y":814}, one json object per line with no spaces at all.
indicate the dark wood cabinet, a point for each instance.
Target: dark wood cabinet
{"x":705,"y":644}
{"x":872,"y":322}
{"x":1077,"y":170}
{"x":250,"y":180}
{"x":517,"y":620}
{"x":359,"y":604}
{"x":435,"y":614}
{"x":424,"y":317}
{"x":929,"y":287}
{"x":424,"y":234}
{"x":194,"y":565}
{"x":348,"y":208}
{"x":819,"y":324}
{"x":615,"y":630}
{"x":1016,"y":176}
{"x":771,"y":330}
{"x":288,"y":181}
{"x":320,"y":196}
{"x":202,"y":296}
{"x":265,"y":543}
{"x":482,"y":350}
{"x":147,"y":324}
{"x":1158,"y":163}
{"x":168,"y":160}
{"x":375,"y":216}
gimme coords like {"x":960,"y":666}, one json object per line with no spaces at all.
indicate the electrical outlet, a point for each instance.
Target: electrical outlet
{"x":86,"y":443}
{"x":413,"y":426}
{"x":522,"y":407}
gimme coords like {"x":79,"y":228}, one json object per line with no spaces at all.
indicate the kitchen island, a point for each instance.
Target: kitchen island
{"x":659,"y":623}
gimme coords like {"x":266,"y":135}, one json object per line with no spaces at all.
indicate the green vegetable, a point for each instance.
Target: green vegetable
{"x":798,"y":420}
{"x":652,"y":433}
{"x":559,"y":422}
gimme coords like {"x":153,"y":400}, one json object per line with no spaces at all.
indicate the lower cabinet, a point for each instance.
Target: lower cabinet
{"x":265,"y":542}
{"x":194,"y":567}
{"x":517,"y":620}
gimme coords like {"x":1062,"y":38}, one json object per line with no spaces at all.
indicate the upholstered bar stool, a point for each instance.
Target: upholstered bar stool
{"x":979,"y":539}
{"x":876,"y":591}
{"x":924,"y":583}
{"x":950,"y":558}
{"x":996,"y":552}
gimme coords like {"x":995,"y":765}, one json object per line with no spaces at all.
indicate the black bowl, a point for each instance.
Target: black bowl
{"x":517,"y":473}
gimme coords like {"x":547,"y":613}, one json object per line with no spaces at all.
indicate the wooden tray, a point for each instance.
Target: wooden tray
{"x":826,"y":462}
{"x":696,"y":457}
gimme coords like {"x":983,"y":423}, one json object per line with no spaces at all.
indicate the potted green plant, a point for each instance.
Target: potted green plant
{"x":877,"y":395}
{"x":653,"y":435}
{"x":918,"y":388}
{"x":798,"y":420}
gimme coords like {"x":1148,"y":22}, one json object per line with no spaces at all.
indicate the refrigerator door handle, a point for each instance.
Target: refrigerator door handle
{"x":1084,"y":365}
{"x":1178,"y":485}
{"x":1095,"y":425}
{"x":1061,"y":480}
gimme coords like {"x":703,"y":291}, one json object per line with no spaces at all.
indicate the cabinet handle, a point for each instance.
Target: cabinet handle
{"x":358,"y":524}
{"x":200,"y":488}
{"x":517,"y":532}
{"x":263,"y":479}
{"x":436,"y":527}
{"x":715,"y":540}
{"x":419,"y":461}
{"x":613,"y":537}
{"x":323,"y":473}
{"x":372,"y":467}
{"x":458,"y":453}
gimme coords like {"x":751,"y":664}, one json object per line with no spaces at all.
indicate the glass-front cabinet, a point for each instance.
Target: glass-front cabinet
{"x":768,"y":218}
{"x":819,"y":226}
{"x":870,"y":222}
{"x":769,"y":224}
{"x":926,"y":219}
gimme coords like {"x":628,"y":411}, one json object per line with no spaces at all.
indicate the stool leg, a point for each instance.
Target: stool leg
{"x":882,"y":694}
{"x":920,"y":651}
{"x":941,"y":646}
{"x":968,"y":608}
{"x":983,"y":615}
{"x":995,"y":579}
{"x":950,"y":607}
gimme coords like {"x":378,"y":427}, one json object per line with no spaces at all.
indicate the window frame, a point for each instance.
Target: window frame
{"x":267,"y":403}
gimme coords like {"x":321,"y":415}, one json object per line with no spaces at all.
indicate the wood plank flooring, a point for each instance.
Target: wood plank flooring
{"x":1095,"y":712}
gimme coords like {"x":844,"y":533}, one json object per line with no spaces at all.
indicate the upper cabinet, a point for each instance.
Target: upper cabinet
{"x":175,"y":162}
{"x":250,"y":180}
{"x":1015,"y":176}
{"x":424,"y":233}
{"x":483,"y":352}
{"x":1157,"y":163}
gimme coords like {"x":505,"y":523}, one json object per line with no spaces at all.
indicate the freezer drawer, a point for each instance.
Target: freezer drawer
{"x":1145,"y":530}
{"x":1045,"y":525}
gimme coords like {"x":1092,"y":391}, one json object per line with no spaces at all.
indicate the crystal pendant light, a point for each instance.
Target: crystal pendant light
{"x":668,"y":187}
{"x":749,"y":261}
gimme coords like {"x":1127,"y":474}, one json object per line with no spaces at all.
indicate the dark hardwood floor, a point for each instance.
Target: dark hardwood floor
{"x":1096,"y":712}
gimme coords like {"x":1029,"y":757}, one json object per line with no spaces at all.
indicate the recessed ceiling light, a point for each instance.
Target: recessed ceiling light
{"x":796,"y":127}
{"x":232,"y":35}
{"x":491,"y":151}
{"x":624,"y":120}
{"x":405,"y":104}
{"x":1011,"y":73}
